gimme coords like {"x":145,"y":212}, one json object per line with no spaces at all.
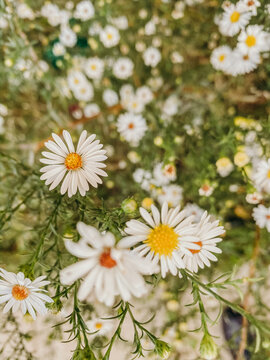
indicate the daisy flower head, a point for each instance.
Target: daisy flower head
{"x":253,"y":39}
{"x":107,"y":269}
{"x":261,"y":176}
{"x":21,"y":293}
{"x":110,"y":97}
{"x":132,"y":127}
{"x":261,"y":215}
{"x":94,"y":68}
{"x":164,"y":239}
{"x":208,"y":234}
{"x":233,"y":20}
{"x":254,"y":198}
{"x":172,"y":194}
{"x":67,"y":36}
{"x":164,"y":174}
{"x":243,"y":63}
{"x":224,"y":166}
{"x":77,"y":168}
{"x":101,"y":327}
{"x":84,"y":10}
{"x":123,"y":68}
{"x":151,"y":56}
{"x":109,"y":36}
{"x":221,"y":58}
{"x":250,"y":5}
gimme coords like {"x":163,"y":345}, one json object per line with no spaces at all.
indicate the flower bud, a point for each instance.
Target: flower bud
{"x":129,"y":206}
{"x":208,"y":348}
{"x":162,"y":349}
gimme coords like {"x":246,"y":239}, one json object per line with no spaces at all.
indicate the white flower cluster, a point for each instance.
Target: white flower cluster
{"x":251,"y":41}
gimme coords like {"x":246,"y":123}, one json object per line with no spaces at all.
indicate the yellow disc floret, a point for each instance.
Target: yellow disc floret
{"x":73,"y":161}
{"x":250,"y":40}
{"x":162,"y":240}
{"x":19,"y":292}
{"x":235,"y":16}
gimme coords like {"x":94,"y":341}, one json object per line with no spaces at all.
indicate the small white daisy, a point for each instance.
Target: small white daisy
{"x":76,"y":79}
{"x":123,"y":68}
{"x":261,"y":176}
{"x":254,"y":198}
{"x":110,"y":97}
{"x":144,"y":94}
{"x":94,"y":68}
{"x":84,"y":10}
{"x":224,"y":166}
{"x":21,"y":293}
{"x":166,"y":237}
{"x":67,"y":36}
{"x":172,"y":194}
{"x":233,"y":20}
{"x":195,"y":210}
{"x":250,"y":5}
{"x":151,"y":56}
{"x":109,"y":36}
{"x":58,"y":49}
{"x":252,"y":39}
{"x":107,"y":269}
{"x":243,"y":63}
{"x":84,"y":92}
{"x":132,"y":127}
{"x":101,"y":327}
{"x":208,"y":233}
{"x":206,"y":190}
{"x":91,"y":110}
{"x":221,"y":58}
{"x":164,"y":174}
{"x":75,"y":168}
{"x":261,"y":215}
{"x":133,"y":104}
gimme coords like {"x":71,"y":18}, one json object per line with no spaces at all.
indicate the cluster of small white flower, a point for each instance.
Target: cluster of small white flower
{"x":251,"y":42}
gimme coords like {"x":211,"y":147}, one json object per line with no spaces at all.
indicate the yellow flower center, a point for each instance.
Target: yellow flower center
{"x":196,"y":251}
{"x":93,"y":67}
{"x":73,"y":161}
{"x":162,"y":240}
{"x":250,"y":40}
{"x":221,"y":58}
{"x":109,"y":36}
{"x":20,"y":292}
{"x":235,"y":16}
{"x":98,"y":325}
{"x":268,"y":174}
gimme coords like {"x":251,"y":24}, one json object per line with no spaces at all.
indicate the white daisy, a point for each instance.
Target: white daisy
{"x":75,"y":168}
{"x":206,"y":190}
{"x":261,"y":215}
{"x":123,"y":68}
{"x":101,"y":327}
{"x":252,"y":39}
{"x":109,"y":36}
{"x":107,"y":269}
{"x":164,"y":174}
{"x":144,"y":94}
{"x":94,"y":68}
{"x":250,"y":5}
{"x":233,"y":20}
{"x":261,"y":176}
{"x":67,"y":36}
{"x":21,"y":293}
{"x":224,"y":166}
{"x":91,"y":110}
{"x":58,"y":49}
{"x":169,"y":236}
{"x":76,"y":79}
{"x":84,"y":92}
{"x":208,"y":233}
{"x":195,"y":210}
{"x":172,"y":194}
{"x":243,"y":63}
{"x":133,"y":104}
{"x":221,"y":58}
{"x":254,"y":198}
{"x":132,"y":127}
{"x":110,"y":97}
{"x":151,"y":56}
{"x":84,"y":10}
